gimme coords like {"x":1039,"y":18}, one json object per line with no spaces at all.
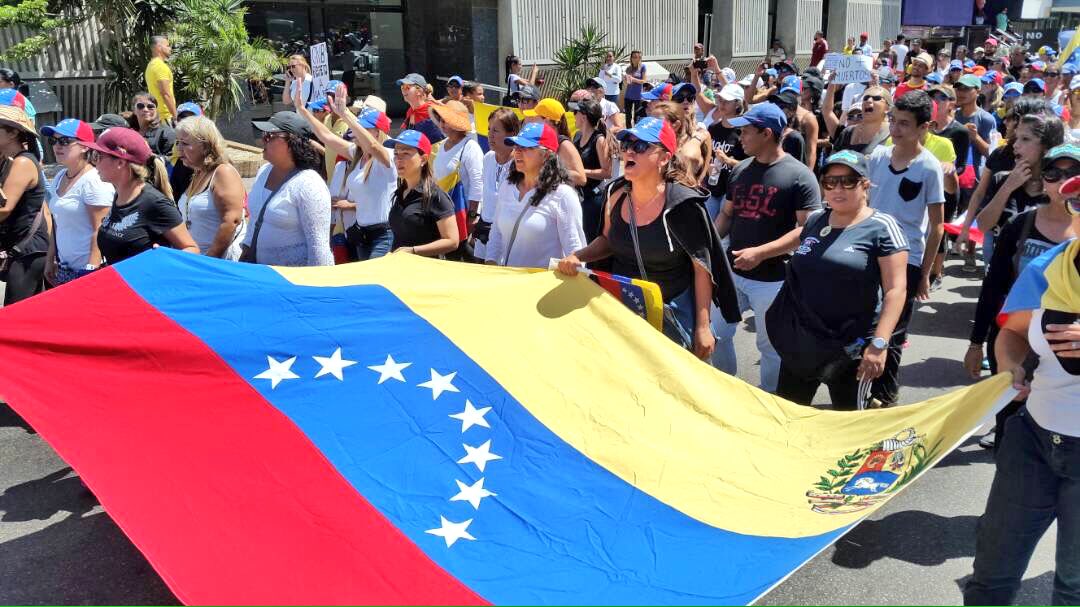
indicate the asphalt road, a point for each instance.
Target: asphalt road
{"x":57,"y":545}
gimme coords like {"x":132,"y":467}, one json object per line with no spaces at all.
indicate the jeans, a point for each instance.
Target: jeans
{"x":370,"y":242}
{"x":987,"y":248}
{"x":1037,"y":481}
{"x":679,"y":319}
{"x":757,"y":296}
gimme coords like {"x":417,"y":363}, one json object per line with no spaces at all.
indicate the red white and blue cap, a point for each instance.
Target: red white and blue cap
{"x":372,"y":118}
{"x":660,"y":92}
{"x":331,"y":87}
{"x":189,"y":107}
{"x":791,"y":84}
{"x":13,"y":97}
{"x":763,"y":116}
{"x":653,"y":130}
{"x":411,"y":138}
{"x":535,"y":134}
{"x":70,"y":127}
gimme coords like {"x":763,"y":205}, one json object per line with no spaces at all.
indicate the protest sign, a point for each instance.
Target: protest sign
{"x":320,"y":68}
{"x":852,"y":68}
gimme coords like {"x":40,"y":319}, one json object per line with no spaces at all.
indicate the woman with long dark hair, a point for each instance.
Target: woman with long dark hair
{"x":422,"y":214}
{"x":538,"y":216}
{"x":289,"y":201}
{"x":498,"y":162}
{"x":634,"y":78}
{"x":656,"y":228}
{"x":146,"y":120}
{"x":514,"y":79}
{"x":24,"y":233}
{"x":591,"y":142}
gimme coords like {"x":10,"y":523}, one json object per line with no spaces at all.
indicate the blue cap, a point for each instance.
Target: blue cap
{"x":331,"y":87}
{"x":1036,"y":82}
{"x":1013,"y":89}
{"x":189,"y":106}
{"x":956,"y":64}
{"x":319,"y":105}
{"x":791,"y":84}
{"x":682,"y":86}
{"x":763,"y":116}
{"x":411,"y":138}
{"x":653,"y":130}
{"x":455,"y":79}
{"x":771,"y":72}
{"x":969,"y":64}
{"x":988,"y":77}
{"x":933,"y":78}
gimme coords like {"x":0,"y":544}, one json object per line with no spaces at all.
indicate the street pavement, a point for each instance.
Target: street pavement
{"x":57,"y":545}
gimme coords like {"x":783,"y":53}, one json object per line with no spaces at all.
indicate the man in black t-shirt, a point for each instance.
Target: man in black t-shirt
{"x":768,"y":199}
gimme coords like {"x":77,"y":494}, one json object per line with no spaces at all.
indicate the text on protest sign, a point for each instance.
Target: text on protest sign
{"x":852,"y":68}
{"x":320,"y":68}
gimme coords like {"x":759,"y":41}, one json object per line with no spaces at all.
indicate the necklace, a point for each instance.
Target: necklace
{"x":68,"y":179}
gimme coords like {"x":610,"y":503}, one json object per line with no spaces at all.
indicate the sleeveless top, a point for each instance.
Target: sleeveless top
{"x":671,"y":269}
{"x":590,"y":156}
{"x":16,"y":227}
{"x":203,"y":219}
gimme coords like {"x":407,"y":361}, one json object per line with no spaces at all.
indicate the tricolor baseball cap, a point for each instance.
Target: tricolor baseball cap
{"x":763,"y":116}
{"x":372,"y":118}
{"x":190,"y":108}
{"x":319,"y":105}
{"x":993,"y":77}
{"x":70,"y":127}
{"x":14,"y":98}
{"x":411,"y":138}
{"x":1038,"y":66}
{"x":660,"y":92}
{"x":535,"y":134}
{"x":653,"y":130}
{"x":1013,"y":89}
{"x":791,"y":84}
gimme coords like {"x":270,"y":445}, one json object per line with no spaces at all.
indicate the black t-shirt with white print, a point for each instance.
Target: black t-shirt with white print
{"x":136,"y":227}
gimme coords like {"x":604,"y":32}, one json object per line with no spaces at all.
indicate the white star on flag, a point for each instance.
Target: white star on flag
{"x":479,"y":455}
{"x":333,"y":365}
{"x":472,"y":416}
{"x":391,"y":369}
{"x":451,"y":531}
{"x":278,"y":371}
{"x":471,"y":493}
{"x":440,"y":383}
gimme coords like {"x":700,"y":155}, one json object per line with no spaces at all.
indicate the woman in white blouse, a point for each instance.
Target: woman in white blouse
{"x":213,"y":204}
{"x":538,"y":217}
{"x":79,"y":201}
{"x":289,"y":201}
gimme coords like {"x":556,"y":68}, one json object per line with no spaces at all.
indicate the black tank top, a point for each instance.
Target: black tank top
{"x":16,"y":227}
{"x":590,"y":157}
{"x":672,"y":270}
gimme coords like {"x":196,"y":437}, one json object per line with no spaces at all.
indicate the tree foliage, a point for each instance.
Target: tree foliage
{"x":580,"y":58}
{"x":213,"y":56}
{"x":45,"y":20}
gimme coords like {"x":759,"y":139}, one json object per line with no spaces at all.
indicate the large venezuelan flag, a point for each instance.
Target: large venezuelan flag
{"x":407,"y":430}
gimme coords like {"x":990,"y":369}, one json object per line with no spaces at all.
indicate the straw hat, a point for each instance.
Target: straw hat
{"x":372,"y":101}
{"x":16,"y":118}
{"x":454,"y":115}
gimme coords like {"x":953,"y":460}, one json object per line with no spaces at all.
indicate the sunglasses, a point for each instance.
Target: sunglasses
{"x":636,"y":146}
{"x":854,"y":116}
{"x":683,"y":97}
{"x":268,"y":137}
{"x":1051,"y":74}
{"x":873,"y":98}
{"x":95,"y":157}
{"x":1055,"y":174}
{"x":960,"y":87}
{"x":831,"y":182}
{"x":145,"y":106}
{"x":62,"y":141}
{"x":1073,"y":204}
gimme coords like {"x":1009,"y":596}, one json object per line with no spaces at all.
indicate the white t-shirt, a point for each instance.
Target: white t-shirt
{"x":901,"y":51}
{"x":372,"y":196}
{"x":74,"y":231}
{"x":203,"y":220}
{"x":495,"y":175}
{"x":513,"y":83}
{"x":550,"y":230}
{"x":467,"y":158}
{"x":296,"y":226}
{"x":611,"y":75}
{"x":609,"y":110}
{"x":1054,"y":391}
{"x":906,"y":194}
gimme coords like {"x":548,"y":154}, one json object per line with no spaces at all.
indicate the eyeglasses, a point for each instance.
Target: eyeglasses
{"x":683,"y":98}
{"x":854,"y":116}
{"x":831,"y":182}
{"x":95,"y":157}
{"x":873,"y":98}
{"x":1055,"y":174}
{"x":637,"y":146}
{"x":268,"y":137}
{"x":145,"y":106}
{"x":62,"y":141}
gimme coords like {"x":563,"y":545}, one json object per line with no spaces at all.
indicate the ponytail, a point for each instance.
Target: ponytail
{"x":154,"y":173}
{"x":510,"y":60}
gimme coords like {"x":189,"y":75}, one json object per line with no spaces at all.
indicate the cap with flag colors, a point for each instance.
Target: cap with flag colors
{"x":413,"y":139}
{"x":535,"y":134}
{"x":652,"y":130}
{"x":660,"y":92}
{"x":70,"y":127}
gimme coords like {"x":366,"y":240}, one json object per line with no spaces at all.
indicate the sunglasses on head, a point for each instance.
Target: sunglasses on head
{"x":1055,"y":174}
{"x":62,"y":141}
{"x":145,"y":106}
{"x":636,"y":146}
{"x":848,"y":182}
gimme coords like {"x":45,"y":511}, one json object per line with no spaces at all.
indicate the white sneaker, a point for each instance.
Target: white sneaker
{"x":987,"y":442}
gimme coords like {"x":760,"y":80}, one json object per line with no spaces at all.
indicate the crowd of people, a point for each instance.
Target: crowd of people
{"x":820,"y":207}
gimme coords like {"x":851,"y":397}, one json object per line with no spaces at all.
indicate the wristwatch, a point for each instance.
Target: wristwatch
{"x":89,"y":267}
{"x":879,"y":343}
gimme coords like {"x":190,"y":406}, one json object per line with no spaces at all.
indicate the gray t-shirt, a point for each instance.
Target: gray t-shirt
{"x":906,"y":194}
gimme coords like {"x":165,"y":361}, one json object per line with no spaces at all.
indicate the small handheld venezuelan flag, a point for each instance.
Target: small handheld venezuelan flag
{"x":641,"y":296}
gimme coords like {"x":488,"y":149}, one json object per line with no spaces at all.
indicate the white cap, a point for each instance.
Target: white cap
{"x":729,"y":74}
{"x":1074,"y":83}
{"x":979,"y":49}
{"x":747,"y":80}
{"x":734,"y":92}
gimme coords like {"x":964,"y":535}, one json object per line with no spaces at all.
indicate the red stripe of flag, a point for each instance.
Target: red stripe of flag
{"x":286,"y":527}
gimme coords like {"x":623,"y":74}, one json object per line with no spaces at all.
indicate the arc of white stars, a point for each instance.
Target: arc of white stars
{"x":391,"y":369}
{"x":278,"y":371}
{"x":479,"y":455}
{"x":333,"y":365}
{"x":451,"y":531}
{"x":440,"y":383}
{"x":472,"y":416}
{"x":471,"y":493}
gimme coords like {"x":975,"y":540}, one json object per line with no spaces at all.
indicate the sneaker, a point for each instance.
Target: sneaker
{"x":935,"y":283}
{"x":985,"y":364}
{"x":987,"y":442}
{"x":970,"y":266}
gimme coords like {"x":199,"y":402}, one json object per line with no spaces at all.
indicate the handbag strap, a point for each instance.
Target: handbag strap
{"x":634,"y":237}
{"x":262,"y":214}
{"x":38,"y":219}
{"x":517,"y":224}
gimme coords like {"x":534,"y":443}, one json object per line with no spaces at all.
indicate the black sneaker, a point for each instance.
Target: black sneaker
{"x":969,"y":265}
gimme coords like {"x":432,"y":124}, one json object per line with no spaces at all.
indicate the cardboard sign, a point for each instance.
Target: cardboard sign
{"x":853,"y":68}
{"x":831,"y":61}
{"x":320,"y":68}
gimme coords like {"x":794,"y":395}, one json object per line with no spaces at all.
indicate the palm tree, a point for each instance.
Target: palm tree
{"x":213,"y":56}
{"x":580,"y":58}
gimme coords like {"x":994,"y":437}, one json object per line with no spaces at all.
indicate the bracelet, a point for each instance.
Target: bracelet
{"x":975,"y":346}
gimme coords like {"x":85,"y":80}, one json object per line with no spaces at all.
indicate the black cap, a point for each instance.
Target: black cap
{"x":288,"y":122}
{"x":594,"y":83}
{"x":107,"y":121}
{"x":528,"y":91}
{"x":813,"y":82}
{"x":787,"y":98}
{"x":413,"y":78}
